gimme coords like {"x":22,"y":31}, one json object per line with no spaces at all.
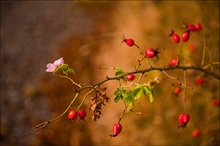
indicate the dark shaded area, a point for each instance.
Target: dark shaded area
{"x":33,"y":34}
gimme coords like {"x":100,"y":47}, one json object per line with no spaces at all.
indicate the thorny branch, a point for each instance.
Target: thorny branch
{"x":94,"y":86}
{"x":148,"y":70}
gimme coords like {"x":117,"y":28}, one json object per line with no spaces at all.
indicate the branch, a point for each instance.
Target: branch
{"x":151,"y":69}
{"x":44,"y":124}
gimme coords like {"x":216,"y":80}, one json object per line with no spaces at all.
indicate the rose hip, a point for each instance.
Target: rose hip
{"x":174,"y":62}
{"x":150,"y":53}
{"x":130,"y":77}
{"x":177,"y":90}
{"x":175,"y":37}
{"x":185,"y":36}
{"x":82,"y":114}
{"x":196,"y":133}
{"x":72,"y":115}
{"x":215,"y":102}
{"x":198,"y":26}
{"x":191,"y":27}
{"x":183,"y":119}
{"x":200,"y":80}
{"x":116,"y":129}
{"x":130,"y":42}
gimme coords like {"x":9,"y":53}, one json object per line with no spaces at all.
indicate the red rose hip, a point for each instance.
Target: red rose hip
{"x":150,"y":53}
{"x":191,"y":27}
{"x":116,"y":129}
{"x":200,"y":81}
{"x":196,"y":133}
{"x":174,"y":62}
{"x":130,"y":77}
{"x":185,"y":36}
{"x":72,"y":115}
{"x":129,"y":42}
{"x":176,"y":38}
{"x":177,"y":90}
{"x":215,"y":102}
{"x":198,"y":26}
{"x":183,"y":119}
{"x":82,"y":114}
{"x":192,"y":47}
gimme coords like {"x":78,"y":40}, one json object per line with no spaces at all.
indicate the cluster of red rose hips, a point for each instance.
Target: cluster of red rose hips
{"x":149,"y":53}
{"x":186,"y":35}
{"x":73,"y":114}
{"x":194,"y":27}
{"x":117,"y":127}
{"x":183,"y":118}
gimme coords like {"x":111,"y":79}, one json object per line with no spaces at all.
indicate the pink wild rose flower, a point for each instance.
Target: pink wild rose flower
{"x":52,"y":66}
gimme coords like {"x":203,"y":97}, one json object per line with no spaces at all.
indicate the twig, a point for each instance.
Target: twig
{"x":44,"y":124}
{"x":204,"y":51}
{"x":85,"y":97}
{"x":62,"y":76}
{"x":184,"y":72}
{"x":169,"y":75}
{"x":180,"y":51}
{"x":210,"y":64}
{"x":122,"y":113}
{"x":140,"y":77}
{"x":184,"y":85}
{"x":139,"y":63}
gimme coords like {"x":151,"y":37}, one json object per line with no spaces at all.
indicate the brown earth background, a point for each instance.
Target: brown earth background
{"x":88,"y":35}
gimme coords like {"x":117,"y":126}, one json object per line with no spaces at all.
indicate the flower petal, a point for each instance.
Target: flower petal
{"x":51,"y":67}
{"x":59,"y":62}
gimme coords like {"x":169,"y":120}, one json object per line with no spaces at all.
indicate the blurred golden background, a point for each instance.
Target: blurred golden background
{"x":88,"y":35}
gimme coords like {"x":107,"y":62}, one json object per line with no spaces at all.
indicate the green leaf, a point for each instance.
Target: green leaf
{"x":128,"y":109}
{"x":119,"y":72}
{"x":137,"y":92}
{"x":151,"y":94}
{"x":146,"y":91}
{"x":151,"y":97}
{"x":71,"y":71}
{"x":127,"y":97}
{"x":117,"y":98}
{"x":119,"y":94}
{"x":65,"y":69}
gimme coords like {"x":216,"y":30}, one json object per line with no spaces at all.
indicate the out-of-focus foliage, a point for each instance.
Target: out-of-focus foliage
{"x":88,"y":35}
